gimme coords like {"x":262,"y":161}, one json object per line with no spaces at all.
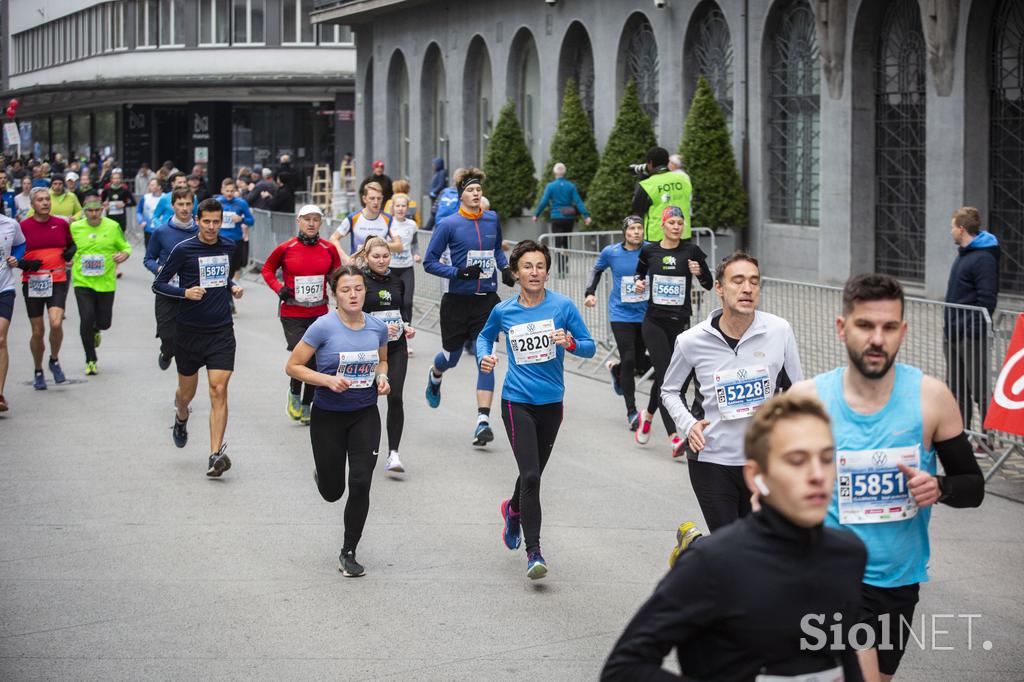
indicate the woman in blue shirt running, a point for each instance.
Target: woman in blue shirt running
{"x":539,"y":327}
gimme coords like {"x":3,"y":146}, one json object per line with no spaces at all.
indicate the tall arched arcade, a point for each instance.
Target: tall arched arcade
{"x":857,"y":133}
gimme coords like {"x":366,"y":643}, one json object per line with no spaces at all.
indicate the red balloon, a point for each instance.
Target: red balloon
{"x":10,"y":112}
{"x":14,"y":103}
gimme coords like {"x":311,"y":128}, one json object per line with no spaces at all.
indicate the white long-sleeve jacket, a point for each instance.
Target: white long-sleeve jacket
{"x":733,"y":382}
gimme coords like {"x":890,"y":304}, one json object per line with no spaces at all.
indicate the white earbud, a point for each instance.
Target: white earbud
{"x":760,"y":484}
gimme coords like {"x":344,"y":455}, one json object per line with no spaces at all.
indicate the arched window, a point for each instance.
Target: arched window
{"x":477,"y":101}
{"x":1006,"y":142}
{"x":794,"y":105}
{"x":398,"y":113}
{"x":709,"y":54}
{"x":640,"y":64}
{"x":577,"y":62}
{"x":900,"y":73}
{"x":524,"y":80}
{"x":434,"y":99}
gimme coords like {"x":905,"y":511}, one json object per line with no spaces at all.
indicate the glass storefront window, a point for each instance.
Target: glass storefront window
{"x":59,"y":135}
{"x":106,"y":133}
{"x":81,"y":135}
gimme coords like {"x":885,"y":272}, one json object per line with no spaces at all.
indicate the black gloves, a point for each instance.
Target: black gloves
{"x":30,"y":264}
{"x":285,"y":293}
{"x":471,"y":272}
{"x":508,"y":278}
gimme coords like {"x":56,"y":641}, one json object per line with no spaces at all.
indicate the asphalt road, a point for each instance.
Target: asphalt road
{"x":119,"y":559}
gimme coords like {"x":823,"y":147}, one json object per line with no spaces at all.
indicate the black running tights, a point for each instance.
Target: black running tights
{"x":95,"y":312}
{"x":398,"y":364}
{"x":337,"y":436}
{"x":630,"y":342}
{"x":660,"y":337}
{"x":531,"y":430}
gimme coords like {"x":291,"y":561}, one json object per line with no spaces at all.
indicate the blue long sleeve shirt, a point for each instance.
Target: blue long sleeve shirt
{"x":562,"y":194}
{"x":535,"y":373}
{"x":622,"y":262}
{"x":466,"y":238}
{"x":197,"y":263}
{"x":236,"y":206}
{"x":165,"y":238}
{"x":164,"y":211}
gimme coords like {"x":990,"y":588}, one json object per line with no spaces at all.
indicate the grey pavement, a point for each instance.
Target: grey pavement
{"x":120,"y":560}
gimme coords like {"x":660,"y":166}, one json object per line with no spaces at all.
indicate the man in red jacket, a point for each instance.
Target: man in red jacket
{"x":305,"y":261}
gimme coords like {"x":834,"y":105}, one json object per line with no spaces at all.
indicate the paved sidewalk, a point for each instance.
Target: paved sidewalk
{"x":119,"y":559}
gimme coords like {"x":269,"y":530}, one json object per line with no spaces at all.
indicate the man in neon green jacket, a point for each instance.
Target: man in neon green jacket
{"x":101,"y":247}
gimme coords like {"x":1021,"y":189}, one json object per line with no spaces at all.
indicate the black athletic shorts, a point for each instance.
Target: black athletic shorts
{"x":295,"y":328}
{"x":36,"y":306}
{"x":7,"y":304}
{"x":463,"y":316}
{"x":195,"y":348}
{"x":240,"y":256}
{"x":898,"y":604}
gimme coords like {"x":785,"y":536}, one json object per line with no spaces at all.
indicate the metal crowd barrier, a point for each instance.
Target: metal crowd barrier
{"x":596,"y":241}
{"x":962,"y":345}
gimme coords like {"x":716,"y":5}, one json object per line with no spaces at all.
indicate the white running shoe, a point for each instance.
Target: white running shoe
{"x":643,"y":430}
{"x":394,"y":464}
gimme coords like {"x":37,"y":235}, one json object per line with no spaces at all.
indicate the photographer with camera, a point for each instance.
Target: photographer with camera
{"x":660,"y":187}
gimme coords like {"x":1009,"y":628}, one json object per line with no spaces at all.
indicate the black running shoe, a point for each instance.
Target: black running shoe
{"x":219,"y":462}
{"x":164,"y":361}
{"x":179,"y":432}
{"x":347,"y":564}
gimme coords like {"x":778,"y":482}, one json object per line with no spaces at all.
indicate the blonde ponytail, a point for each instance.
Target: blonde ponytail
{"x":360,"y":256}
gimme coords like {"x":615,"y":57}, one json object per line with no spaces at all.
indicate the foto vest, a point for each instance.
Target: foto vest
{"x":666,"y":189}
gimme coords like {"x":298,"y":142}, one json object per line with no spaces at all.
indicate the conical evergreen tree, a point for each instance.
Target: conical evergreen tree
{"x":511,"y":184}
{"x":719,"y":199}
{"x":573,"y":144}
{"x":610,"y":195}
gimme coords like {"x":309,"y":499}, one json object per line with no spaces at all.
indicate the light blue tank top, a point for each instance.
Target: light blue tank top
{"x":898,"y":550}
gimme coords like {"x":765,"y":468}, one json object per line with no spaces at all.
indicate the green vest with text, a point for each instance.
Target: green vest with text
{"x":666,"y":189}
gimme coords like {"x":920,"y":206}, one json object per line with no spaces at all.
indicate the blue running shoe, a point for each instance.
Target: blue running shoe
{"x":483,"y":434}
{"x":613,"y":369}
{"x":634,"y":420}
{"x":511,"y":535}
{"x":433,"y":390}
{"x":536,"y":567}
{"x":39,"y":380}
{"x":58,"y":373}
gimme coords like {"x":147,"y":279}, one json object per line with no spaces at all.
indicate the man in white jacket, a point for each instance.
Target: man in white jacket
{"x":740,"y":357}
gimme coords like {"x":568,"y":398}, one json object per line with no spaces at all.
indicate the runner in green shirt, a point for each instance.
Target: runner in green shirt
{"x":101,"y":246}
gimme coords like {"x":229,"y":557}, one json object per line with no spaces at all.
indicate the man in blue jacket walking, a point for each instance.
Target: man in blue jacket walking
{"x":565,"y":202}
{"x":973,"y":280}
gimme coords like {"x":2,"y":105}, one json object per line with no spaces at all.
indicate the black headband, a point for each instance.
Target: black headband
{"x":466,"y":182}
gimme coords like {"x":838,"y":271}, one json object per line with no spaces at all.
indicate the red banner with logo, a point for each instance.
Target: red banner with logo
{"x":1006,"y":411}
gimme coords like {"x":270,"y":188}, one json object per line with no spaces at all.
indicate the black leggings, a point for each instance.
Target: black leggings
{"x":294,"y":328}
{"x":96,"y":311}
{"x":721,"y":492}
{"x":660,"y":337}
{"x":335,"y":436}
{"x":531,"y":431}
{"x":409,"y":284}
{"x":398,"y":363}
{"x":630,"y":342}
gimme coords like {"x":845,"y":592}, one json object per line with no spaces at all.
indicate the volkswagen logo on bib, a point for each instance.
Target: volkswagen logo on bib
{"x":741,"y":374}
{"x":879,"y":459}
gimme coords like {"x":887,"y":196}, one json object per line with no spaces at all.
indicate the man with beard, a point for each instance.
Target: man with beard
{"x":890,"y":420}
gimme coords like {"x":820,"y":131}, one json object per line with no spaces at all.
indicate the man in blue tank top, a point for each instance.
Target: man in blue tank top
{"x":889,"y":421}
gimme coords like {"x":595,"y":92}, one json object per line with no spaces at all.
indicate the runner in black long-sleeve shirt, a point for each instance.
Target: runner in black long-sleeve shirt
{"x":205,"y":334}
{"x":736,"y":604}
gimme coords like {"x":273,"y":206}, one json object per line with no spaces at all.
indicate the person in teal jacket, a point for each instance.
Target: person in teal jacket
{"x":565,"y":203}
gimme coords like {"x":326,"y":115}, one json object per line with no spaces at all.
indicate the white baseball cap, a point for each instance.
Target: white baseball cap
{"x":310,"y":208}
{"x":71,"y":175}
